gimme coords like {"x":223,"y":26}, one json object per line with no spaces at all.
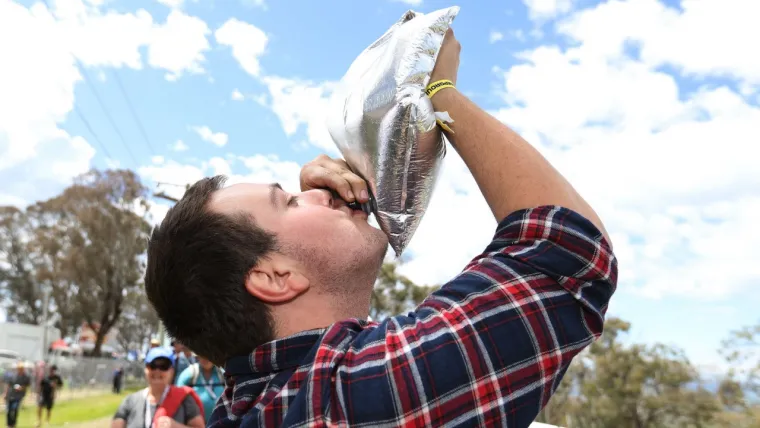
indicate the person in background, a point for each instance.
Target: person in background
{"x":15,"y":390}
{"x":118,"y":378}
{"x":183,"y":358}
{"x":207,"y":380}
{"x":160,"y":405}
{"x":46,"y":395}
{"x":154,"y":343}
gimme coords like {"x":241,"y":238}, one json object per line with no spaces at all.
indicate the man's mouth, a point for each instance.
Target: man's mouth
{"x":352,"y":209}
{"x":337,"y":202}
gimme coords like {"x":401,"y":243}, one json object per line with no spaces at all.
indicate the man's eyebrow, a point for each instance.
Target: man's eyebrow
{"x":273,"y":188}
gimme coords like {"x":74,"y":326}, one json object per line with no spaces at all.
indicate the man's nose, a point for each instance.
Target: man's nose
{"x":317,"y":197}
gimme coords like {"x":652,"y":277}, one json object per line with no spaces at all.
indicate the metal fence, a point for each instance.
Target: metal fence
{"x":94,"y":374}
{"x":84,"y":376}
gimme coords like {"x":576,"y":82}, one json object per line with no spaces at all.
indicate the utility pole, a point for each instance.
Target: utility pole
{"x":45,"y":304}
{"x":163,"y":195}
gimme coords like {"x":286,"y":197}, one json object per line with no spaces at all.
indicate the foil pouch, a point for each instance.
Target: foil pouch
{"x":385,"y":126}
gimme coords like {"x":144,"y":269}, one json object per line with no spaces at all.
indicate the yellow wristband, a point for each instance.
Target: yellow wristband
{"x":436,"y":86}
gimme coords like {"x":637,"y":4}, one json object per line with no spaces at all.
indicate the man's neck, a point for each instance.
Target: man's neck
{"x":320,"y":311}
{"x":155,"y":392}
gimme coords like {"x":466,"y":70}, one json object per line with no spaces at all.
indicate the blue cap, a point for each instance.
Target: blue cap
{"x":159,"y":353}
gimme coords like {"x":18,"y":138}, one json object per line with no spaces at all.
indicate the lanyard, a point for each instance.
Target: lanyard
{"x":208,"y":384}
{"x":148,"y":416}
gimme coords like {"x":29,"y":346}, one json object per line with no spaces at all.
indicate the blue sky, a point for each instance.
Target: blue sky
{"x":653,"y":119}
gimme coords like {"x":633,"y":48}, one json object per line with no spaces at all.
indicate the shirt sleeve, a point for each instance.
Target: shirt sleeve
{"x":125,"y":409}
{"x":191,"y":408}
{"x":491,"y":346}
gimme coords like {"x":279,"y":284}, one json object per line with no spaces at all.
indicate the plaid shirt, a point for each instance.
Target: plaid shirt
{"x":487,"y":349}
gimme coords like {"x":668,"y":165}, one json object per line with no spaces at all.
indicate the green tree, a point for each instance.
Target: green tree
{"x":740,"y":389}
{"x":84,"y":246}
{"x":21,"y":292}
{"x":613,"y":384}
{"x":138,"y":321}
{"x":108,"y":239}
{"x":395,"y":294}
{"x":52,"y":250}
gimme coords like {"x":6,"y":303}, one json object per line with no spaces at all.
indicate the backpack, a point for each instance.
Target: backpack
{"x":196,"y":371}
{"x":173,"y":400}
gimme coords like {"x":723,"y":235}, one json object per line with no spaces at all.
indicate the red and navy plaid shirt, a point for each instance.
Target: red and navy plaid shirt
{"x":487,"y":349}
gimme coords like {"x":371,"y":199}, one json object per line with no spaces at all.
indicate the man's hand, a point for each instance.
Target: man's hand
{"x":166,"y":422}
{"x":447,"y":63}
{"x":327,"y":173}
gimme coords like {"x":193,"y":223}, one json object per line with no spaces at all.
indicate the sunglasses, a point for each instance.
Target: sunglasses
{"x":162,"y":365}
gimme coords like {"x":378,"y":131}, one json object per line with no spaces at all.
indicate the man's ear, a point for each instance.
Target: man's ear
{"x":276,"y":279}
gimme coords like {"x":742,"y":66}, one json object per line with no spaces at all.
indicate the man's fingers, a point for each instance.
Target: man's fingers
{"x":358,"y":185}
{"x":320,"y":177}
{"x":335,"y":174}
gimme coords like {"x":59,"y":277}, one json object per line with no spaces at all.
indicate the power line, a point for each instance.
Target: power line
{"x":92,"y":131}
{"x":105,"y":110}
{"x":134,"y":113}
{"x":103,"y":107}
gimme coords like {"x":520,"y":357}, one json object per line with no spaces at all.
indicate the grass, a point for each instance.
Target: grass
{"x":76,"y":410}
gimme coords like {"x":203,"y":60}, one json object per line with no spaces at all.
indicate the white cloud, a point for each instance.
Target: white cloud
{"x":37,"y":158}
{"x":158,"y":160}
{"x":220,"y":166}
{"x":178,"y":45}
{"x":495,"y":36}
{"x":410,"y":2}
{"x":237,"y":95}
{"x":671,"y":172}
{"x":261,"y":99}
{"x":174,"y":4}
{"x":457,"y":208}
{"x":547,"y":9}
{"x":171,"y":176}
{"x":667,"y":36}
{"x":267,"y":169}
{"x":305,"y":103}
{"x":219,"y":139}
{"x":179,"y":146}
{"x":157,"y":211}
{"x":247,"y":42}
{"x":115,"y":39}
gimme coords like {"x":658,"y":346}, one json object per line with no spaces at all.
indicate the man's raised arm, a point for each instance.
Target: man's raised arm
{"x":511,"y":173}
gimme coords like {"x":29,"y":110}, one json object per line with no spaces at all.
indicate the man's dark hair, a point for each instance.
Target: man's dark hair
{"x":198,"y":261}
{"x":53,"y":367}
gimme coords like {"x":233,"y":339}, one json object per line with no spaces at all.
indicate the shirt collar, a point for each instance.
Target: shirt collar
{"x":277,"y":355}
{"x":286,"y":353}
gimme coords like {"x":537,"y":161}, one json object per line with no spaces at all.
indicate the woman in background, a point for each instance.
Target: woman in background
{"x":160,"y":405}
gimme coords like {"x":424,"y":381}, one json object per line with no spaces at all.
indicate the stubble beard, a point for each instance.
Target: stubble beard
{"x":346,"y":281}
